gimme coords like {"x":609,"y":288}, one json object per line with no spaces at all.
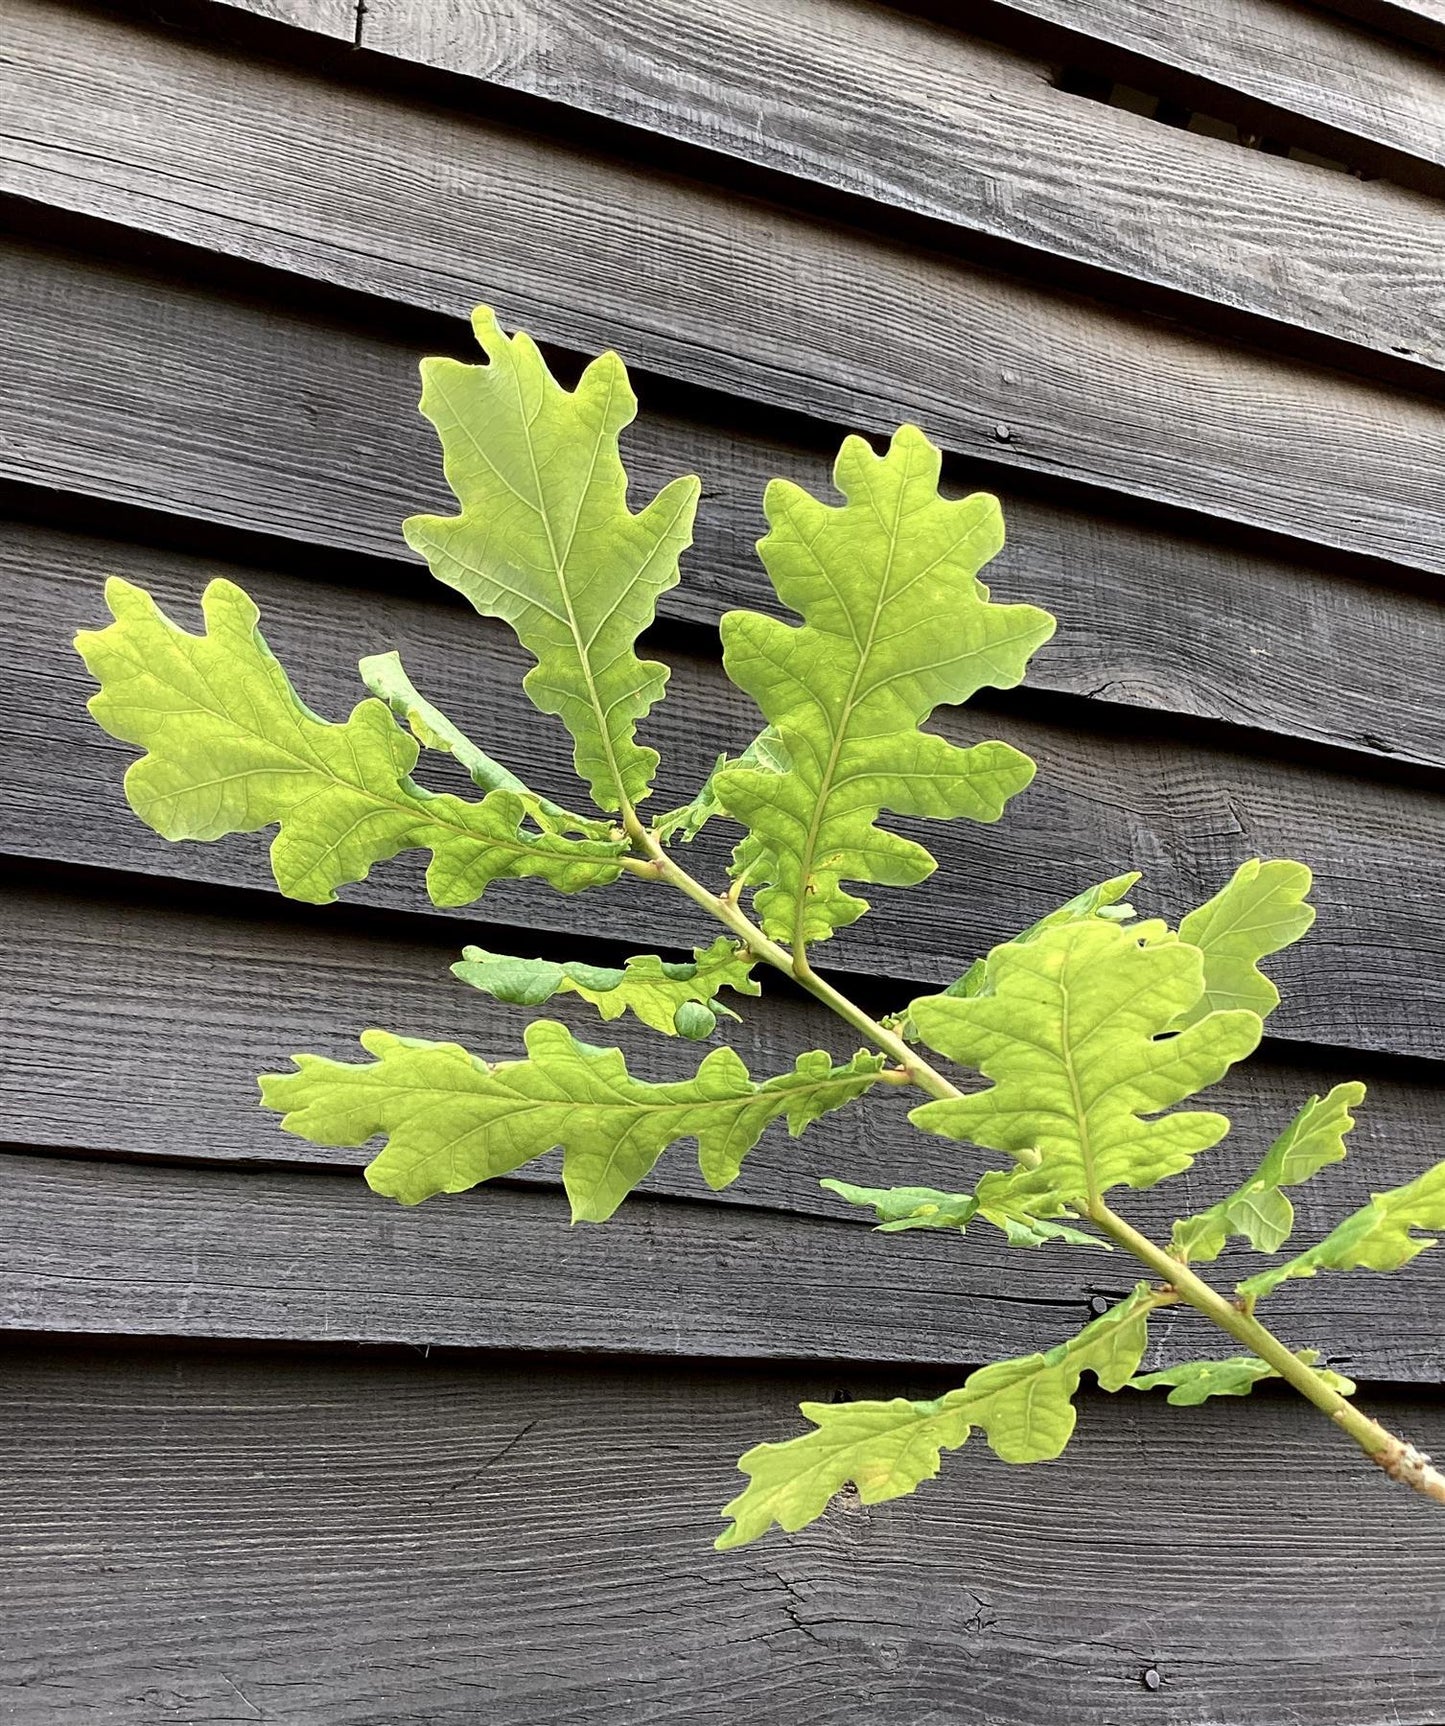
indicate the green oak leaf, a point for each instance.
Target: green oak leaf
{"x":895,"y":622}
{"x":1259,"y":1209}
{"x":654,"y":990}
{"x":383,"y":675}
{"x":1380,"y":1236}
{"x":1024,"y":1408}
{"x":231,"y":748}
{"x":451,"y":1120}
{"x":1198,"y":1380}
{"x":900,"y":1208}
{"x":546,"y":542}
{"x":1259,"y":910}
{"x":1070,"y":1031}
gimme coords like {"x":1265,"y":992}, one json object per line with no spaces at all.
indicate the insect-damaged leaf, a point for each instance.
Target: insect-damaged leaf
{"x":895,"y":622}
{"x":764,"y":752}
{"x":1198,"y":1380}
{"x":1259,"y":910}
{"x":1101,"y":900}
{"x":451,"y":1120}
{"x":1023,"y":1407}
{"x":1380,"y":1236}
{"x":231,"y":748}
{"x":900,"y":1208}
{"x":1070,"y":1030}
{"x":658,"y":992}
{"x":383,"y":675}
{"x":1259,"y":1209}
{"x":545,"y":539}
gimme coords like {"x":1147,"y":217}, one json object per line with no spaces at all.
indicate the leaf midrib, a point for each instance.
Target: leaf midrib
{"x":810,"y":844}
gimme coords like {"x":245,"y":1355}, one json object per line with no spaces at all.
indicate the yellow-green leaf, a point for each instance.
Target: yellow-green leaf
{"x":451,"y":1120}
{"x":231,"y":748}
{"x":1380,"y":1236}
{"x":1198,"y":1380}
{"x":895,"y":623}
{"x":901,"y":1208}
{"x":1071,"y":1031}
{"x":545,"y":539}
{"x":1261,"y":909}
{"x":383,"y":675}
{"x":1023,"y":1407}
{"x":1259,"y":1210}
{"x":656,"y":990}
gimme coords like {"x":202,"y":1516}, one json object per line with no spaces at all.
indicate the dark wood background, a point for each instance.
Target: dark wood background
{"x":1169,"y":279}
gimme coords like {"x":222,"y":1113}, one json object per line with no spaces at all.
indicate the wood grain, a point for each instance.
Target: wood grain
{"x":916,"y":117}
{"x":341,"y":1543}
{"x":328,"y":181}
{"x":326,"y":17}
{"x":147,"y":1250}
{"x":1183,"y":812}
{"x":140,"y":389}
{"x":1302,"y":65}
{"x":1421,"y":21}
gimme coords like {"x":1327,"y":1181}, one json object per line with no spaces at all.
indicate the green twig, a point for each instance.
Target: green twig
{"x":1399,"y":1459}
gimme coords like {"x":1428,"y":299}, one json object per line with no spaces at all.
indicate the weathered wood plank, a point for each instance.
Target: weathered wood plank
{"x":326,"y":17}
{"x":1185,"y":813}
{"x":1421,"y":21}
{"x":159,"y":1017}
{"x":329,"y":181}
{"x":855,"y":98}
{"x":127,"y":1249}
{"x":337,"y":1543}
{"x":1346,"y":84}
{"x":139,"y":389}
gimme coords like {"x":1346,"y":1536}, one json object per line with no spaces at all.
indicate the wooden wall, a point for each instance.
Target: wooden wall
{"x":1168,"y":278}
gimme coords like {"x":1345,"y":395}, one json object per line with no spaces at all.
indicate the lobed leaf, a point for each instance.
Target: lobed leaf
{"x":1071,"y":1030}
{"x":895,"y":623}
{"x":1259,"y":1210}
{"x":1261,"y":909}
{"x":1024,"y":1408}
{"x":674,"y":998}
{"x":1380,"y":1236}
{"x":231,"y":748}
{"x":546,"y":542}
{"x":452,"y":1121}
{"x":900,"y":1208}
{"x":1199,"y":1380}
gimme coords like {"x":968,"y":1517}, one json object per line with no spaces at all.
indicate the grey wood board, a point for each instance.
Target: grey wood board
{"x":439,"y":210}
{"x":346,"y":1543}
{"x":106,"y":1248}
{"x":1302,"y":62}
{"x":159,"y":1016}
{"x":1421,"y":21}
{"x":326,"y":17}
{"x":142,"y":390}
{"x":1367,"y":977}
{"x":850,"y":96}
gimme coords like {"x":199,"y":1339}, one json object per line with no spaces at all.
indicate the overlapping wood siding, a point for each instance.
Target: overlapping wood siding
{"x":1168,"y":278}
